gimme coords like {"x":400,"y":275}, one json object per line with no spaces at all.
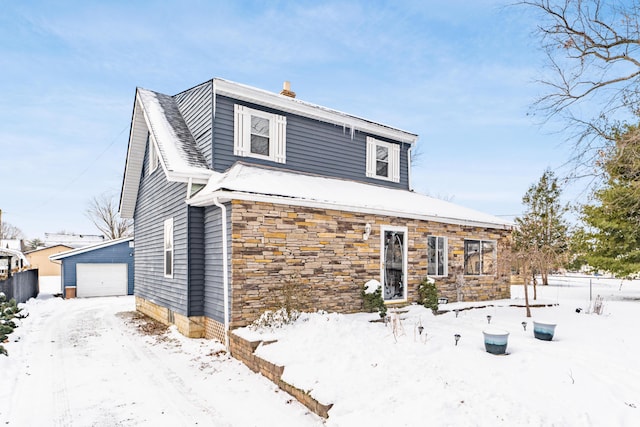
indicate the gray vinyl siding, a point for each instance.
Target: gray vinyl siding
{"x":119,"y":253}
{"x":196,"y":107}
{"x":214,"y":290}
{"x":312,"y":147}
{"x":196,"y":261}
{"x":159,"y":200}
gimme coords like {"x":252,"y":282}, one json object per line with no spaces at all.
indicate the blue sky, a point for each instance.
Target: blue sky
{"x":458,"y":73}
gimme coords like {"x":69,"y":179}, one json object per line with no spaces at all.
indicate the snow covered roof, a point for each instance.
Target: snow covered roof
{"x":15,"y":244}
{"x":170,"y":133}
{"x":78,"y":251}
{"x":15,"y":254}
{"x":247,"y":182}
{"x":72,"y":240}
{"x":158,"y":116}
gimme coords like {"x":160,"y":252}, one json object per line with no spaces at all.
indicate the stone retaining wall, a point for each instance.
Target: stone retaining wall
{"x":243,"y":350}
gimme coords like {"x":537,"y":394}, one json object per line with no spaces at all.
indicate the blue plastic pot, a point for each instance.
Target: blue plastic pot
{"x":495,"y":341}
{"x":543,"y":330}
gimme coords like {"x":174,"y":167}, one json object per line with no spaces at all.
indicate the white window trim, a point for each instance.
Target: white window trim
{"x":168,"y":226}
{"x":153,"y":155}
{"x":394,"y":160}
{"x":242,"y":134}
{"x":495,"y":257}
{"x":445,"y":248}
{"x":405,"y":263}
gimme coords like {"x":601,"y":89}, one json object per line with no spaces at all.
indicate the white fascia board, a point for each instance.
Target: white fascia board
{"x":133,"y":166}
{"x":226,"y":196}
{"x":306,"y":109}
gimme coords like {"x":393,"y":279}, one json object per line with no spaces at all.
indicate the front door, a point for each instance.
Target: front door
{"x":393,"y":265}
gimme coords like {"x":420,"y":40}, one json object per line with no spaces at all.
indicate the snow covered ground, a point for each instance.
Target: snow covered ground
{"x":588,"y":375}
{"x":78,"y":362}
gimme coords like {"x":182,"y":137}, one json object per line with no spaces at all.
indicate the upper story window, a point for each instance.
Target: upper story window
{"x":168,"y":248}
{"x":153,"y":155}
{"x":437,"y":256}
{"x":383,"y":160}
{"x":259,"y":134}
{"x":479,"y":257}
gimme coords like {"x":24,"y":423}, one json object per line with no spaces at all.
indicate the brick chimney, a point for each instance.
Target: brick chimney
{"x":286,"y":90}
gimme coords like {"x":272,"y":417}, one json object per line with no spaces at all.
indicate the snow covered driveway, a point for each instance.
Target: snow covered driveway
{"x":84,"y":362}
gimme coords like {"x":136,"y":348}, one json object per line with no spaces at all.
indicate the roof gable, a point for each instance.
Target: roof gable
{"x":49,"y":249}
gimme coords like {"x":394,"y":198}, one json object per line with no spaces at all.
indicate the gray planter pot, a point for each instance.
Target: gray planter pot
{"x":543,"y":330}
{"x":495,"y":340}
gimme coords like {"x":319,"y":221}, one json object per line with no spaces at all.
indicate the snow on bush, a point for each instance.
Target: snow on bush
{"x":275,"y":319}
{"x":371,"y":286}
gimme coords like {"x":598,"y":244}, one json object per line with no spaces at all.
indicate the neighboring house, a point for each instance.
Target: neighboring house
{"x":39,"y":258}
{"x":105,"y":269}
{"x":242,"y":198}
{"x":15,"y":244}
{"x":72,"y":240}
{"x":11,"y":261}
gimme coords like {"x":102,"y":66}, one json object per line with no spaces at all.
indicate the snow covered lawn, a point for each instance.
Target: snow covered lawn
{"x":588,"y":374}
{"x":78,"y":362}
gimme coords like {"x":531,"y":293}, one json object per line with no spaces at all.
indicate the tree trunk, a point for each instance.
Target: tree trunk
{"x":526,"y":294}
{"x":535,"y":285}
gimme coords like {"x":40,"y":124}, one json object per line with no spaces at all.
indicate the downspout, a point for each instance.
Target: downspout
{"x":225,"y":270}
{"x":409,"y":167}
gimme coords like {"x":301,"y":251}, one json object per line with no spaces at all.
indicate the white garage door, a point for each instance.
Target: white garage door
{"x":101,"y":280}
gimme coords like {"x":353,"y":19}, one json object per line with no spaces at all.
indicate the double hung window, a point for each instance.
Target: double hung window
{"x":168,"y":248}
{"x":437,"y":256}
{"x":259,"y":134}
{"x":383,"y":160}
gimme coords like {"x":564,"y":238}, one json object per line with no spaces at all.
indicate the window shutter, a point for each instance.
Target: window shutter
{"x":371,"y":157}
{"x":241,"y":131}
{"x":394,"y":161}
{"x":278,"y":134}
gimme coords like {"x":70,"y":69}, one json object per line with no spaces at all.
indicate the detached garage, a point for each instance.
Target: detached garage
{"x":101,"y":270}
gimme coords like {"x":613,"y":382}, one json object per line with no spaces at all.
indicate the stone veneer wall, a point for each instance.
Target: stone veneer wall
{"x":319,"y":258}
{"x":192,"y":327}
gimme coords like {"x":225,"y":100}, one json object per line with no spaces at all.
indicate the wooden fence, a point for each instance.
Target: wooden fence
{"x":21,"y":286}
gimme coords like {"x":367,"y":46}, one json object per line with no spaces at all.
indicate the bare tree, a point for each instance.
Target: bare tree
{"x":593,"y":52}
{"x":8,"y":231}
{"x":103,"y":212}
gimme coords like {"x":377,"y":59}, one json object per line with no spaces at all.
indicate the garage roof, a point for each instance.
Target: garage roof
{"x":78,"y":251}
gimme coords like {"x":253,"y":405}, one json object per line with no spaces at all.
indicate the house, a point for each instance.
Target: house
{"x":72,"y":239}
{"x":243,"y":199}
{"x":39,"y":258}
{"x":103,"y":269}
{"x":11,"y":261}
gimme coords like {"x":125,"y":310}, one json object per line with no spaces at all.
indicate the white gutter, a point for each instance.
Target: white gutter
{"x":225,"y":270}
